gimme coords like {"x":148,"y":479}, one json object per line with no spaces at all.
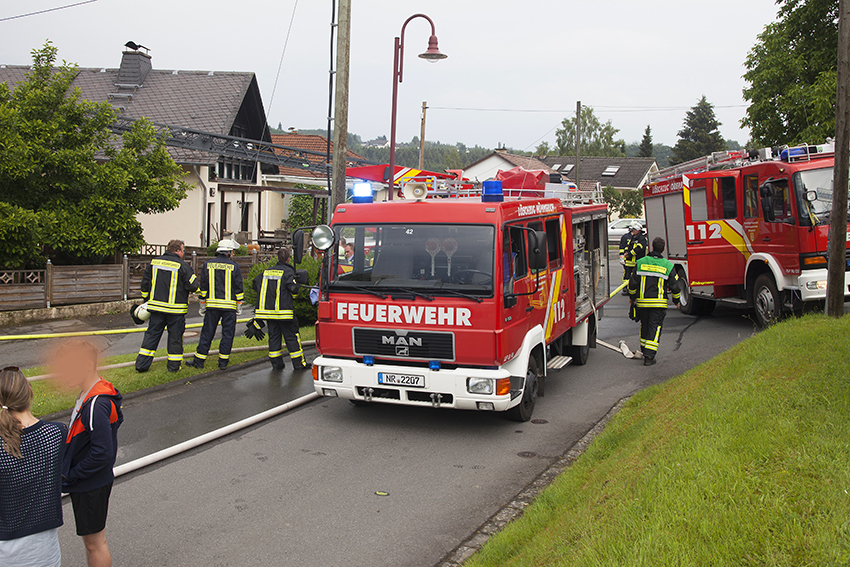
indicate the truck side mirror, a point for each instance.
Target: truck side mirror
{"x":538,"y":257}
{"x":811,"y":196}
{"x":298,"y":246}
{"x":767,"y":209}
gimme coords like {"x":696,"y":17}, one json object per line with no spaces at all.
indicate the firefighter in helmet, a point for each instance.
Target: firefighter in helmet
{"x":635,"y":250}
{"x":653,"y":278}
{"x":275,"y":288}
{"x":166,"y":285}
{"x":221,"y":300}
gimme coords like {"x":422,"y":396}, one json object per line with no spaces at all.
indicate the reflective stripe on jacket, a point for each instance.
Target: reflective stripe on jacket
{"x":221,"y":283}
{"x":166,"y":284}
{"x":653,"y":278}
{"x":275,"y":288}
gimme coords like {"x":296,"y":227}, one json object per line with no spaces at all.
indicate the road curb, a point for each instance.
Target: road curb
{"x":515,"y":508}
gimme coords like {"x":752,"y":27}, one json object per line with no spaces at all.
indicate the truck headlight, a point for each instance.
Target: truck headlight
{"x":816,"y":285}
{"x":480,"y":385}
{"x":332,"y":374}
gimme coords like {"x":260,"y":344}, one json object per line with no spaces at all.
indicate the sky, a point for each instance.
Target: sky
{"x":636,"y":63}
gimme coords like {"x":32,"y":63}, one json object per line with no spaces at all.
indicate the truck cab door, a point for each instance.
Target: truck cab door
{"x":517,"y":280}
{"x":777,"y":228}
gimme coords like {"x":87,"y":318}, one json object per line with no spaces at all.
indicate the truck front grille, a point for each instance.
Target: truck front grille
{"x":404,"y":345}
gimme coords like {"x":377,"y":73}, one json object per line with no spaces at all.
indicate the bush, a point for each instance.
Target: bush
{"x":306,"y":312}
{"x":241,"y":251}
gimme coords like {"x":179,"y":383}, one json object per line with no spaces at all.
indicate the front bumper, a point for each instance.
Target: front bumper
{"x":812,"y":284}
{"x":443,"y":388}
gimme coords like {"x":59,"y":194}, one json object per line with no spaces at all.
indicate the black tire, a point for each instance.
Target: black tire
{"x":580,"y":353}
{"x":767,"y":301}
{"x":523,"y":410}
{"x":692,"y":305}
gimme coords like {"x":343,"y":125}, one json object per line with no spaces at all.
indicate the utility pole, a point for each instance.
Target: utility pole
{"x":422,"y":137}
{"x":578,"y":145}
{"x":837,"y":248}
{"x":340,"y":155}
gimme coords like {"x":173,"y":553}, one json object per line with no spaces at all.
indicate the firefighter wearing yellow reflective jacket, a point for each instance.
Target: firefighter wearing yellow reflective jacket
{"x":635,"y":249}
{"x":653,"y":277}
{"x":275,"y":288}
{"x":221,"y":300}
{"x":166,"y":285}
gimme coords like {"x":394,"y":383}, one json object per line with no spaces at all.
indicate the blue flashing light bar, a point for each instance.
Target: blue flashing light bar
{"x":434,"y":364}
{"x":369,"y":360}
{"x":492,"y":192}
{"x":362,"y":193}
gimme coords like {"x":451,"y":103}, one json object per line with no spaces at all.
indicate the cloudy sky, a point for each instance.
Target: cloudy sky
{"x":637,"y":63}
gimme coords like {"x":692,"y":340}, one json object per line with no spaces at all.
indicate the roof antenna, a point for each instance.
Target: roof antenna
{"x":135,"y":46}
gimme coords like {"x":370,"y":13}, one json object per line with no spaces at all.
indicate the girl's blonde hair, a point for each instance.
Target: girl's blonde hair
{"x":15,"y":395}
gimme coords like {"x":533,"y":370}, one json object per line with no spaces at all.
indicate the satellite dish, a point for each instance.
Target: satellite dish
{"x":415,"y":191}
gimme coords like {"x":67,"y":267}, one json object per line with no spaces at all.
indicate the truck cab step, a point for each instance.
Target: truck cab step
{"x":558,"y":362}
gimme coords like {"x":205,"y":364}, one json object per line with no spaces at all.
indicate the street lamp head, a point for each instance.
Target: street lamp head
{"x":433,"y":53}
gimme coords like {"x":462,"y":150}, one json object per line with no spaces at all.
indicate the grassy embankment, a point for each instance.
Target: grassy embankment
{"x":744,"y":460}
{"x":49,"y":399}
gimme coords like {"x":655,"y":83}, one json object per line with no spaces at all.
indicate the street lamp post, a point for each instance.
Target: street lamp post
{"x":431,"y":54}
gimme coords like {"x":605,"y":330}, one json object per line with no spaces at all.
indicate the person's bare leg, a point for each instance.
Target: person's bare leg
{"x":97,"y":550}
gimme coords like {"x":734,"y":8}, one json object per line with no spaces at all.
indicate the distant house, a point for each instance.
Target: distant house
{"x":225,"y":195}
{"x":487,"y":167}
{"x":621,"y":173}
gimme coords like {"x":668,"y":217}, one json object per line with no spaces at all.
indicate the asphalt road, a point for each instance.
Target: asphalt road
{"x":300,"y":489}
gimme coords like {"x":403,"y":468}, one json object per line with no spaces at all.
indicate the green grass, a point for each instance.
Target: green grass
{"x":744,"y":460}
{"x":50,"y":399}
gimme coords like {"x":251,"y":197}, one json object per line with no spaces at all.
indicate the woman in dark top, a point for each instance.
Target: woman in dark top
{"x":30,"y":478}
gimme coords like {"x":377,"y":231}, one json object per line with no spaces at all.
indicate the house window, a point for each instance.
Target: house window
{"x":556,"y":167}
{"x":611,"y":171}
{"x":567,"y":168}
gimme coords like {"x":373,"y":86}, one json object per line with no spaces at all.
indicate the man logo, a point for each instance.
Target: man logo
{"x":401,"y":341}
{"x":402,"y":350}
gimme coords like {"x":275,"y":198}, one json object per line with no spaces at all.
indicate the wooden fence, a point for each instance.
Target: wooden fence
{"x":70,"y":285}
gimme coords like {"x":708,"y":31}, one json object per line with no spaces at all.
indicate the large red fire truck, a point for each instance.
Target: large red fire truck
{"x":747,"y":228}
{"x":459,"y":302}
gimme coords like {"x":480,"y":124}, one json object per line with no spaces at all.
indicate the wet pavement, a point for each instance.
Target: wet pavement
{"x":155,"y":420}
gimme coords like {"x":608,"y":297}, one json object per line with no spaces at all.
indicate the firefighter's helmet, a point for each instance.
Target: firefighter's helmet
{"x":140,"y":313}
{"x":227,"y":245}
{"x":636,"y":226}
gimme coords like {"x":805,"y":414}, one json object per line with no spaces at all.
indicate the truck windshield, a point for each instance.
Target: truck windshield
{"x":820,"y":181}
{"x":432,"y":259}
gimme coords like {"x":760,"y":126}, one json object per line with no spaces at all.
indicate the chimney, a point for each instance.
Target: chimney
{"x":135,"y":67}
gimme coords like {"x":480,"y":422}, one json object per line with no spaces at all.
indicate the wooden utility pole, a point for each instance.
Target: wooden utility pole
{"x":578,"y":145}
{"x":422,"y":137}
{"x":837,"y":248}
{"x":340,"y":155}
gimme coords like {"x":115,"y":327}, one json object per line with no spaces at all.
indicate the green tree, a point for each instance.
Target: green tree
{"x":700,"y":135}
{"x":791,"y":75}
{"x":645,"y":148}
{"x":597,"y":139}
{"x":301,"y":209}
{"x":542,"y":149}
{"x":626,"y":204}
{"x":67,"y":190}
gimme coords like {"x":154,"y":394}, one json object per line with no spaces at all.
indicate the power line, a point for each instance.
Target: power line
{"x":604,"y":109}
{"x":47,"y":10}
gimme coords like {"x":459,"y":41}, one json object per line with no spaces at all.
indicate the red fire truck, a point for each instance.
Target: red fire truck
{"x":747,"y":228}
{"x":459,"y":302}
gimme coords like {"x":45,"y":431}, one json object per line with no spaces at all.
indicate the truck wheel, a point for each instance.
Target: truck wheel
{"x":523,"y":410}
{"x":767,"y":301}
{"x":580,"y":353}
{"x":692,"y":305}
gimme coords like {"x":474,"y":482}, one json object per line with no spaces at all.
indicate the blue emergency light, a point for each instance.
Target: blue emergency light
{"x":434,"y":364}
{"x":362,"y":193}
{"x":492,"y":192}
{"x":369,"y":360}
